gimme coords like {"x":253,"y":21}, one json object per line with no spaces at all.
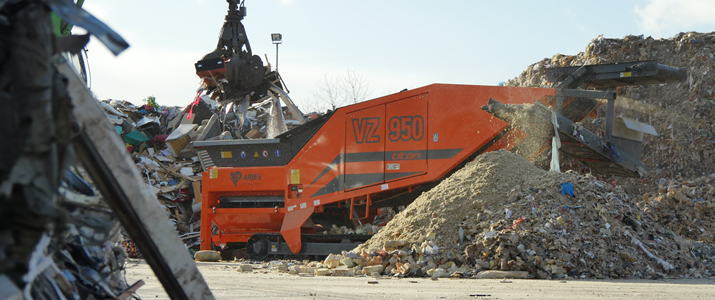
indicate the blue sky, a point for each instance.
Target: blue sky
{"x":393,"y":44}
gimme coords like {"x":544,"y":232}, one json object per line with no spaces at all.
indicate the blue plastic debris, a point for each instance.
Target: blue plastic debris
{"x":567,"y":189}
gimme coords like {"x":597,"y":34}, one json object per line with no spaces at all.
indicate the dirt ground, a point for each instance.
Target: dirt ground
{"x":227,"y":283}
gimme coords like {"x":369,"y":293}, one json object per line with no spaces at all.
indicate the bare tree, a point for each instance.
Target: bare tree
{"x":328,"y":94}
{"x":333,"y":92}
{"x":355,"y":87}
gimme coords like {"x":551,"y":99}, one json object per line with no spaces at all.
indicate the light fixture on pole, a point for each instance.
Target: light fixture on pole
{"x":277,"y":38}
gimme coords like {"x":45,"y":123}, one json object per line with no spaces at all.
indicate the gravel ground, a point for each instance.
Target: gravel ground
{"x":227,"y":283}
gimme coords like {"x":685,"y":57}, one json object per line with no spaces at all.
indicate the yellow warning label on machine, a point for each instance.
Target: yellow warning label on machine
{"x":256,"y":154}
{"x":213,"y":173}
{"x":625,"y":74}
{"x":226,"y":154}
{"x":295,"y":176}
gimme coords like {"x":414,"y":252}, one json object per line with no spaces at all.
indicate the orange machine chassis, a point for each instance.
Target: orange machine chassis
{"x":358,"y":156}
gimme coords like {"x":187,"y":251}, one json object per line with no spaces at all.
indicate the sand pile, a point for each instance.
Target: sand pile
{"x":468,"y":195}
{"x":501,"y":213}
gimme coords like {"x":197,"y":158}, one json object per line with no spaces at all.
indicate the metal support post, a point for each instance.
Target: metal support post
{"x":559,"y":106}
{"x":610,"y":115}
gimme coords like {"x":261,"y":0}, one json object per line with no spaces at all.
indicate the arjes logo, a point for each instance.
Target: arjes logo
{"x":237,"y":176}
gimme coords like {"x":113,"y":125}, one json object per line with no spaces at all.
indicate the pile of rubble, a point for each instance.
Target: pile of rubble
{"x":160,"y":139}
{"x":502,"y":213}
{"x":80,"y":256}
{"x":683,"y":116}
{"x":168,"y":172}
{"x":686,"y":207}
{"x":682,"y":113}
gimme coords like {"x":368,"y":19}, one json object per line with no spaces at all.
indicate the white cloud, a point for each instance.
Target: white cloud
{"x":667,"y":17}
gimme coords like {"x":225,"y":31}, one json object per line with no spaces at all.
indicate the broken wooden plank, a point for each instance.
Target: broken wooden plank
{"x":105,"y":158}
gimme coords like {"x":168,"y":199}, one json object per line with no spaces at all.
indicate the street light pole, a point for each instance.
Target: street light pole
{"x":277,"y":38}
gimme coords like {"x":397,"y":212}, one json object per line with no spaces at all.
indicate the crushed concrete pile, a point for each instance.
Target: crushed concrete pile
{"x":501,"y":213}
{"x":682,"y":113}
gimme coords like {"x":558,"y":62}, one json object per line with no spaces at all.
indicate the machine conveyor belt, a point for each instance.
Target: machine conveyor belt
{"x":621,"y":74}
{"x":584,"y":146}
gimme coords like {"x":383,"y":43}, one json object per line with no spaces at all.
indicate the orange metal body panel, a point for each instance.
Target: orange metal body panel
{"x":394,"y":142}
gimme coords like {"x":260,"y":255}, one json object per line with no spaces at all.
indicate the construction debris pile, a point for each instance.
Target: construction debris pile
{"x":164,"y":157}
{"x":682,"y":113}
{"x":677,"y":190}
{"x":160,"y":140}
{"x":502,"y":213}
{"x":686,"y":207}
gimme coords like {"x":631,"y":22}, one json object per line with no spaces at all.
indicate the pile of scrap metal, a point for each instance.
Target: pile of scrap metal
{"x":57,"y":237}
{"x":232,"y":74}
